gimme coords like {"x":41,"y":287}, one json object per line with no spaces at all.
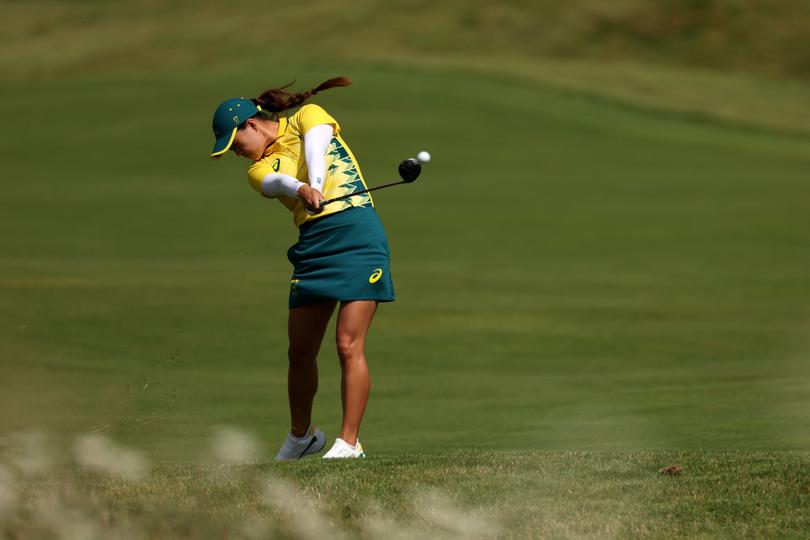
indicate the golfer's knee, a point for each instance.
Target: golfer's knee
{"x":349,"y":347}
{"x":301,"y":353}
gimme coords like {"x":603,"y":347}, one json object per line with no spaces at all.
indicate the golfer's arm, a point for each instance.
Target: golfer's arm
{"x":316,"y":142}
{"x":275,"y":184}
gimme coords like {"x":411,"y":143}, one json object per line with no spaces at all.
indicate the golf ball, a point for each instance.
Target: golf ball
{"x":423,"y":156}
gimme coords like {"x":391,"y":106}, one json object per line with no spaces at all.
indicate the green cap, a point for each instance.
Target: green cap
{"x":230,"y":114}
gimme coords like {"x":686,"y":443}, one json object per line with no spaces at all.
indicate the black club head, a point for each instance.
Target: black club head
{"x":409,"y":170}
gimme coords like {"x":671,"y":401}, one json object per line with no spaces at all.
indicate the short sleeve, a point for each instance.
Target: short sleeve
{"x":312,"y":115}
{"x":256,"y":175}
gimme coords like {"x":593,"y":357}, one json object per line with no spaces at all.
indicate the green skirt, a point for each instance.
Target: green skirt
{"x":341,"y":257}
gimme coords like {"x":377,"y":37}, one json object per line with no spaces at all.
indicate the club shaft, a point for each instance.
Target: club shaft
{"x":348,"y":195}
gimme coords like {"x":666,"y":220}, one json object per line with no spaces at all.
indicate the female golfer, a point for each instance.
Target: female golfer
{"x":341,"y":257}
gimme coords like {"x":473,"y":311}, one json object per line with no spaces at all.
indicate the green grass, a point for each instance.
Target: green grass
{"x":766,"y":37}
{"x":741,"y":62}
{"x":596,"y":277}
{"x":650,"y":296}
{"x":455,"y":495}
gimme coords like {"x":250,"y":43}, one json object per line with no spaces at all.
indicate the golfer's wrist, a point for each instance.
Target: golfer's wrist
{"x":316,"y":184}
{"x":301,"y":190}
{"x":291,"y":187}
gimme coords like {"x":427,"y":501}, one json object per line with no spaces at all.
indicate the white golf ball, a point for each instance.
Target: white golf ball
{"x":423,"y":156}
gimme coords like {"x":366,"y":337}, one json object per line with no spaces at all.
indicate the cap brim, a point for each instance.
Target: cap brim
{"x":223,"y":144}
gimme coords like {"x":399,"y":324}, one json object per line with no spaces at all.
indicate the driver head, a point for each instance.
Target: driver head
{"x":409,"y":170}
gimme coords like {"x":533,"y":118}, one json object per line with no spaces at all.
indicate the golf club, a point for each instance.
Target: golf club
{"x":409,"y":171}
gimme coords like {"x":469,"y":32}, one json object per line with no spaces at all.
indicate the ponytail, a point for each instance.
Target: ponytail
{"x":277,"y":100}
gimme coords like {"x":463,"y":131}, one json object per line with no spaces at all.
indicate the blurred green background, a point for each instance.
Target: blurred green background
{"x":608,"y":251}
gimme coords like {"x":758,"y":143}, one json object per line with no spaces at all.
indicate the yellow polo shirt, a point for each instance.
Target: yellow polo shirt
{"x":286,"y":156}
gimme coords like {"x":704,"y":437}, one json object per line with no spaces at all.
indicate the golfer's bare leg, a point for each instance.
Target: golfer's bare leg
{"x":354,"y":320}
{"x":305,"y":328}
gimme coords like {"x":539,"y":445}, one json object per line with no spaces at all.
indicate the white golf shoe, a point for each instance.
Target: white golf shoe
{"x":343,"y":450}
{"x":296,"y":448}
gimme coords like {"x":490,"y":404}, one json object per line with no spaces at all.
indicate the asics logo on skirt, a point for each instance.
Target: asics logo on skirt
{"x":375,"y":275}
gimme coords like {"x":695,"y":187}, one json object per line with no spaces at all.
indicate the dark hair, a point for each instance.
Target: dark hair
{"x":277,"y":100}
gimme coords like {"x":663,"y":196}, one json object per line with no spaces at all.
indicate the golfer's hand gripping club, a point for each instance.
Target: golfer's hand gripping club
{"x":311,"y":198}
{"x":409,"y":171}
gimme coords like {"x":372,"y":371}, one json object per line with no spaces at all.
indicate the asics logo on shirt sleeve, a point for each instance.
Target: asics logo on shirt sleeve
{"x":375,"y":275}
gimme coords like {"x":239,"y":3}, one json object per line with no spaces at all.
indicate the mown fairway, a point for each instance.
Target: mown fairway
{"x":588,"y":290}
{"x":570,"y":274}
